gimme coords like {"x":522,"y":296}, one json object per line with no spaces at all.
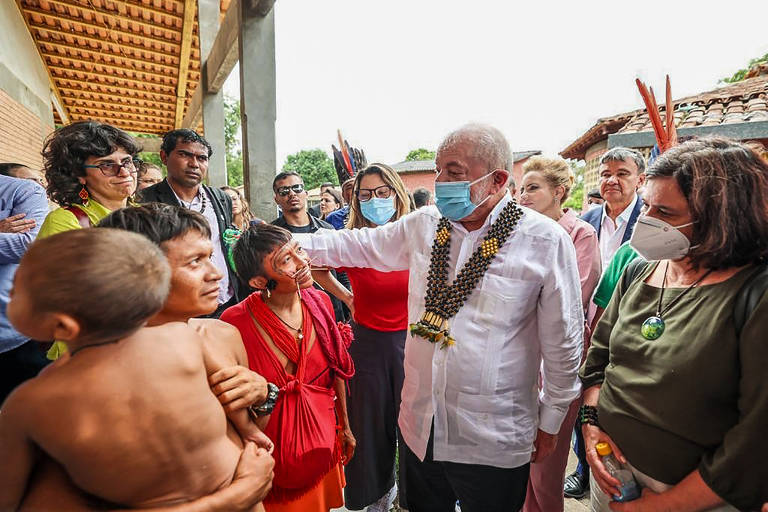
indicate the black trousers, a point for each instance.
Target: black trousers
{"x":435,"y":486}
{"x":19,"y":364}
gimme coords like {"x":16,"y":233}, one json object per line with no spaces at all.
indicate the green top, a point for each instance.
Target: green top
{"x":697,"y":397}
{"x":60,"y":219}
{"x":623,"y":257}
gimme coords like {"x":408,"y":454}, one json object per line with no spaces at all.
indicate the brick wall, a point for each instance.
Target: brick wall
{"x":21,"y":134}
{"x":414,"y":180}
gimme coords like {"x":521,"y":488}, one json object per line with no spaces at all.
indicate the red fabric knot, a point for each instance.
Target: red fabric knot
{"x":347,"y":337}
{"x":293,"y":386}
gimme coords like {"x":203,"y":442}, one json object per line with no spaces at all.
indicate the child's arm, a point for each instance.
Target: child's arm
{"x":17,"y":452}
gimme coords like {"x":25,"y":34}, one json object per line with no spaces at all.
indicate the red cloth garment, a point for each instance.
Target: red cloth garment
{"x":303,"y":423}
{"x":381,"y":298}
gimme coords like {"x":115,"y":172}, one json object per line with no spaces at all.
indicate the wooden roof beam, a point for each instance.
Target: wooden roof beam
{"x":86,"y":73}
{"x":86,"y":37}
{"x":168,"y":68}
{"x":146,"y":8}
{"x":190,"y":7}
{"x":158,"y":76}
{"x":57,"y":102}
{"x":95,"y":26}
{"x":117,"y":106}
{"x":149,"y":119}
{"x":110,"y":98}
{"x":154,"y":127}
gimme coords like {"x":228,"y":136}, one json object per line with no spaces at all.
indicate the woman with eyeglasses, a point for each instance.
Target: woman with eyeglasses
{"x":379,"y":304}
{"x":91,"y":171}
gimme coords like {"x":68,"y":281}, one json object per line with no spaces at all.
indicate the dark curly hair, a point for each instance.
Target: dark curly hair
{"x":66,"y":150}
{"x":726,"y":186}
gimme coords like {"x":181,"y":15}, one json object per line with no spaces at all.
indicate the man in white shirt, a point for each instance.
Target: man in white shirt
{"x":472,"y":412}
{"x":622,"y":172}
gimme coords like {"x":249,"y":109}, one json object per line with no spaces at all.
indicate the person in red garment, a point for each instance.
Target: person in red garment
{"x":379,"y":302}
{"x":292,"y":338}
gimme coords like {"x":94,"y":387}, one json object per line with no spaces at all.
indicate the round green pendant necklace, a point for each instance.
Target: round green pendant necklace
{"x":654,"y":326}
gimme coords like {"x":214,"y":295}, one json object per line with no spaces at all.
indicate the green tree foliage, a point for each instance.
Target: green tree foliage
{"x":576,"y":199}
{"x":420,"y":154}
{"x":232,"y":145}
{"x":739,"y":75}
{"x":314,"y":166}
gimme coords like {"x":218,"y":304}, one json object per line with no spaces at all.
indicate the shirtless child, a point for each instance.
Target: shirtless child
{"x":130,"y":415}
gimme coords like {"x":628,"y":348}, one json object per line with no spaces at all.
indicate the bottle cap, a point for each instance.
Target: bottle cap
{"x":603,"y":449}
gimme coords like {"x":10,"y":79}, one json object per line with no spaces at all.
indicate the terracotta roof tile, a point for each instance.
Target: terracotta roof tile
{"x":742,"y":102}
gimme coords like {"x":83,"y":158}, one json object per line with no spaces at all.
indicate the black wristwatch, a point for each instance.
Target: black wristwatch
{"x":269,"y":404}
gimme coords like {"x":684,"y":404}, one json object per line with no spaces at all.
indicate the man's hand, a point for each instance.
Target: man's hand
{"x":251,"y":483}
{"x":348,"y":444}
{"x":237,"y":387}
{"x":543,"y":445}
{"x":16,"y":224}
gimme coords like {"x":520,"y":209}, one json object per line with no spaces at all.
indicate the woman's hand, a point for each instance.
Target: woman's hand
{"x":592,"y":436}
{"x":348,"y":444}
{"x":237,"y":387}
{"x":16,"y":224}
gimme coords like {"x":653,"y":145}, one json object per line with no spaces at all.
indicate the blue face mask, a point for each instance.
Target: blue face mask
{"x":378,"y":210}
{"x":452,"y":198}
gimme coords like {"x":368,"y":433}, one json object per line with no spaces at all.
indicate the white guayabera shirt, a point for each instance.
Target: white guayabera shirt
{"x":525,"y":314}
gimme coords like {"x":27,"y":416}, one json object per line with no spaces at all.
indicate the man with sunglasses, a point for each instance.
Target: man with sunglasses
{"x":291,"y":197}
{"x":186,"y":155}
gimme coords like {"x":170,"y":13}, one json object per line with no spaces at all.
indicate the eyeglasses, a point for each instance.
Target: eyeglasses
{"x":382,"y":192}
{"x":296,"y":189}
{"x":110,"y":169}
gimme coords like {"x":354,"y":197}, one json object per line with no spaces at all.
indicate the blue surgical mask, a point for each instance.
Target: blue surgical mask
{"x":452,"y":198}
{"x":378,"y":210}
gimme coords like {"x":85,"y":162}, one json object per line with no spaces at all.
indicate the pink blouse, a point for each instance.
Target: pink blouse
{"x":587,"y":252}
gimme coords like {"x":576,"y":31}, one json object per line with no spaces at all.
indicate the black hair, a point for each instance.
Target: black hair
{"x":282,"y":176}
{"x":595,"y":194}
{"x":6,"y":168}
{"x":170,"y":139}
{"x":254,"y":245}
{"x":158,"y":222}
{"x":421,"y":197}
{"x":66,"y":150}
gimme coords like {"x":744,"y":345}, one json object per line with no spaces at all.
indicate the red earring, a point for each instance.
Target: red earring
{"x":84,"y":195}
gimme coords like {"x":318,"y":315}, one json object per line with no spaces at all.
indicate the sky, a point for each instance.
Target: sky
{"x":396,"y":75}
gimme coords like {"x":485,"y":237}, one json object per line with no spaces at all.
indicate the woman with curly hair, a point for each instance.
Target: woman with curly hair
{"x":91,"y":169}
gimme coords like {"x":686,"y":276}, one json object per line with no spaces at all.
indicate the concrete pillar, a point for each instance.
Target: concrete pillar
{"x":258,"y":104}
{"x":213,"y":103}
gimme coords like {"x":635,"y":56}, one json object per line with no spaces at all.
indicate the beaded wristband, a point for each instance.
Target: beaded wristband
{"x":588,"y":415}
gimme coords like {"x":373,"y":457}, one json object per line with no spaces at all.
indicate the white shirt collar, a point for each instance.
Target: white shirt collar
{"x":623,"y":216}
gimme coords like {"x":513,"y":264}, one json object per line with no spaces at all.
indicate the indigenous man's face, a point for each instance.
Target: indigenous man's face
{"x":187,"y":164}
{"x":194,"y":277}
{"x":619,"y":181}
{"x":288,"y":265}
{"x":111,"y":188}
{"x":287,"y":199}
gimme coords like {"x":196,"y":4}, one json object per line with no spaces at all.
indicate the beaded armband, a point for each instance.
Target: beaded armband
{"x":588,"y":415}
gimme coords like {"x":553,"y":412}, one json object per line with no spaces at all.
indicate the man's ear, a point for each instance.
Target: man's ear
{"x":500,"y":179}
{"x":641,"y":180}
{"x":66,"y":328}
{"x":164,"y":158}
{"x":258,"y":282}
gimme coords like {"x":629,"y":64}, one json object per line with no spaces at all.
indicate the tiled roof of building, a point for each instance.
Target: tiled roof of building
{"x":741,"y":102}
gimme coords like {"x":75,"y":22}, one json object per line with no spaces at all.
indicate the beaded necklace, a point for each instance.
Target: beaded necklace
{"x":443,"y":301}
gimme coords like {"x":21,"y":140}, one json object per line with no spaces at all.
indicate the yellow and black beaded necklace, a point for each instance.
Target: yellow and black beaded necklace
{"x":443,"y":301}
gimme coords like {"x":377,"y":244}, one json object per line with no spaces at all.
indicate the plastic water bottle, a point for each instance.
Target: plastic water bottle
{"x":628,"y":488}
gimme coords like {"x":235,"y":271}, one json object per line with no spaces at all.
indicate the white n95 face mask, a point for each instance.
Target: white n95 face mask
{"x":655,"y":240}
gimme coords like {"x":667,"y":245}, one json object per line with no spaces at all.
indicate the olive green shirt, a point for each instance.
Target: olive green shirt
{"x":697,"y":397}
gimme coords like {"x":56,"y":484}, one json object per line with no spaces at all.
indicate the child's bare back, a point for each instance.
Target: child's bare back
{"x":132,"y":422}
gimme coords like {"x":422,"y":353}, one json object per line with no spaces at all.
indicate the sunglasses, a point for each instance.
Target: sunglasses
{"x":296,"y":189}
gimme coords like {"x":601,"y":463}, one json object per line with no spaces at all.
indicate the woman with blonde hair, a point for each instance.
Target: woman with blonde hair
{"x":546,"y":185}
{"x":379,"y":304}
{"x":241,"y":212}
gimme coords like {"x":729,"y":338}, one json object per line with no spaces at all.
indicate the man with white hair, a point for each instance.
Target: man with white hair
{"x":494,"y":298}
